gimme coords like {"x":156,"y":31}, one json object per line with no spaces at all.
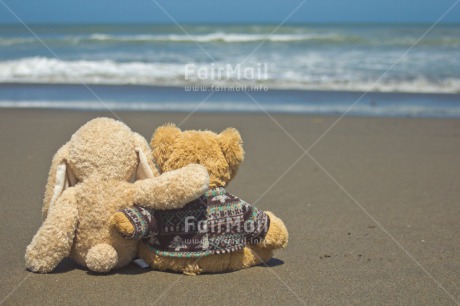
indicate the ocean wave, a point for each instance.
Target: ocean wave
{"x":332,"y":37}
{"x":15,"y":41}
{"x":224,"y":37}
{"x":418,"y":85}
{"x":50,"y":70}
{"x":215,"y":37}
{"x":360,"y":109}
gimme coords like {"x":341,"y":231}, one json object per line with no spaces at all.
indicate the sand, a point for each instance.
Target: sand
{"x":375,"y":221}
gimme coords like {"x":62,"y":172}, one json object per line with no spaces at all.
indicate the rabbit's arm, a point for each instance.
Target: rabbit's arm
{"x":172,"y":189}
{"x":54,"y":239}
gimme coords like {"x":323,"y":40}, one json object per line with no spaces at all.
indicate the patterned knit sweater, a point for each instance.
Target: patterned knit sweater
{"x":215,"y":223}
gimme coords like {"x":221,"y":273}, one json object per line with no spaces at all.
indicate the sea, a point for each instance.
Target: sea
{"x":357,"y":69}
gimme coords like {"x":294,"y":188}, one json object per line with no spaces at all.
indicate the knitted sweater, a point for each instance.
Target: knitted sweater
{"x":215,"y":223}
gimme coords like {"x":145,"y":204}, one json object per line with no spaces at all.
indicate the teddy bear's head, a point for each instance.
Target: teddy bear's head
{"x":221,"y":154}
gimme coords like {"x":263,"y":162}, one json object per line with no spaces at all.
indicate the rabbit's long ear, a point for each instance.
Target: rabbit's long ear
{"x":145,"y":167}
{"x":60,"y":178}
{"x":144,"y":170}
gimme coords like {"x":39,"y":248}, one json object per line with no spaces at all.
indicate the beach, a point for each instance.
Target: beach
{"x":372,"y":210}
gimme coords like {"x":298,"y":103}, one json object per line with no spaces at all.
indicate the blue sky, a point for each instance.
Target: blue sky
{"x":228,"y":11}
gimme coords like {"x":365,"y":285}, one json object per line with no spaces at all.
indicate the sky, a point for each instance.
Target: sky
{"x":227,"y":11}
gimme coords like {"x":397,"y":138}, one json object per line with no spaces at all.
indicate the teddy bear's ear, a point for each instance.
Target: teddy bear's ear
{"x":162,"y":142}
{"x":232,"y":146}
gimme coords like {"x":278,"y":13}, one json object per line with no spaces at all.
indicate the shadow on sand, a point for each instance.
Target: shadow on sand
{"x":68,"y":265}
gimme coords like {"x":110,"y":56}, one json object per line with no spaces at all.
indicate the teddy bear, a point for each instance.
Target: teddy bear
{"x":104,"y":167}
{"x":208,"y":234}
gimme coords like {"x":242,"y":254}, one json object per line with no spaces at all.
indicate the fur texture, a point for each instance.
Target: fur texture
{"x":221,"y":154}
{"x":105,"y":167}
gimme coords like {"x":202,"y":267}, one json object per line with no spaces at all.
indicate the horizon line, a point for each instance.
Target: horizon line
{"x":112,"y":23}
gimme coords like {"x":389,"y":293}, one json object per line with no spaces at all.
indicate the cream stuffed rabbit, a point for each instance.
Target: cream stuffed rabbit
{"x":104,"y":167}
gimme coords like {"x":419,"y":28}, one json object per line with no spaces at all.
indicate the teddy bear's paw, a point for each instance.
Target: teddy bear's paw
{"x":192,"y":270}
{"x":122,"y":224}
{"x":277,"y":236}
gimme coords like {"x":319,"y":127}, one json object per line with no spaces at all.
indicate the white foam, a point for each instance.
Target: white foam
{"x":215,"y":37}
{"x":51,"y":70}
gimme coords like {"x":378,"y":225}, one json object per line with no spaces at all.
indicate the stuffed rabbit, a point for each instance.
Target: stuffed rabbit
{"x":104,"y":167}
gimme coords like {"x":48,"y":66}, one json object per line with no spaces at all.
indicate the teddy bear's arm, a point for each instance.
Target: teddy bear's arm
{"x":135,"y":222}
{"x":172,"y":189}
{"x":54,"y":239}
{"x":123,"y":225}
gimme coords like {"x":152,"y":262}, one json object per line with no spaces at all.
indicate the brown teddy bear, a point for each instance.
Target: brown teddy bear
{"x":104,"y":167}
{"x":217,"y":232}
